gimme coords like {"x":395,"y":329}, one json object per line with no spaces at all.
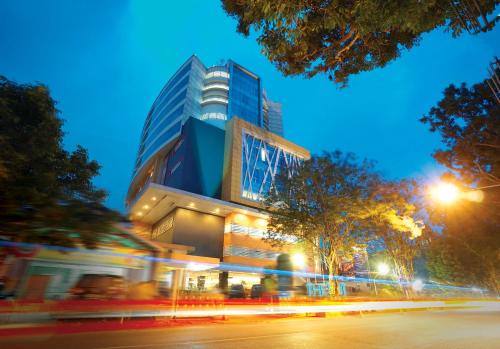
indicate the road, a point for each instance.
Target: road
{"x":430,"y":329}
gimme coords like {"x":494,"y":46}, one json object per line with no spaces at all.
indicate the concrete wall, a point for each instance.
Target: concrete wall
{"x":205,"y":232}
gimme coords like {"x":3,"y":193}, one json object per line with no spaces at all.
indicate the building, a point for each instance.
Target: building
{"x":208,"y":156}
{"x":272,"y":115}
{"x":47,"y":272}
{"x":214,"y":95}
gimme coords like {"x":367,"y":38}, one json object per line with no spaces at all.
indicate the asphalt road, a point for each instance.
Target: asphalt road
{"x":431,"y":329}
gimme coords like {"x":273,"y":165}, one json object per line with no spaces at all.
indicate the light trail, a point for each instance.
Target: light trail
{"x":288,"y":309}
{"x":222,"y":266}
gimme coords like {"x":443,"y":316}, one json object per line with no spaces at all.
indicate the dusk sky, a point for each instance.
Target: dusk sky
{"x":106,"y":61}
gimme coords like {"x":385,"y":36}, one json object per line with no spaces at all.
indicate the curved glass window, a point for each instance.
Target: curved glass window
{"x":164,"y":123}
{"x":174,"y":81}
{"x":164,"y":100}
{"x":172,"y":131}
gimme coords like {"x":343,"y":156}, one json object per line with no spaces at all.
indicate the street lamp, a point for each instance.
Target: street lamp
{"x":299,"y":260}
{"x":417,"y":285}
{"x":445,"y":193}
{"x":383,"y":269}
{"x":448,"y":193}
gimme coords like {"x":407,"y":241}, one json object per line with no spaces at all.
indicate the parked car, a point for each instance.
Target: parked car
{"x":100,"y":286}
{"x":256,"y":291}
{"x":237,"y":291}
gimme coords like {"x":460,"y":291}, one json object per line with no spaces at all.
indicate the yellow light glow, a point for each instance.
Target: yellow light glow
{"x":299,"y":260}
{"x":383,"y":269}
{"x":474,"y":195}
{"x":217,"y":210}
{"x":191,"y":204}
{"x":261,"y":222}
{"x":139,"y":214}
{"x":445,"y":193}
{"x":240,"y":219}
{"x":153,"y":198}
{"x":145,"y":207}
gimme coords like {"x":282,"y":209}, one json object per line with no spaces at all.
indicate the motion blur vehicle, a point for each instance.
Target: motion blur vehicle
{"x":100,"y":286}
{"x":256,"y":291}
{"x":237,"y":291}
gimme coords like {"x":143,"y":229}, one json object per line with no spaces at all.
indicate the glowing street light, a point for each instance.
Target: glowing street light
{"x":445,"y":193}
{"x":417,"y":285}
{"x":383,"y":269}
{"x":299,"y":260}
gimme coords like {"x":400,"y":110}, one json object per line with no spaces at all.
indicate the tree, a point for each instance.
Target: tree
{"x":336,"y":204}
{"x":326,"y":205}
{"x":341,"y":38}
{"x":468,"y":120}
{"x":46,"y":192}
{"x":468,"y":249}
{"x":399,"y":226}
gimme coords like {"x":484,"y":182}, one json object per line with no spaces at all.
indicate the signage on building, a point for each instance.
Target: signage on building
{"x":162,"y":227}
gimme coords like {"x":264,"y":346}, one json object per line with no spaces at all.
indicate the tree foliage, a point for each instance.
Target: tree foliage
{"x":333,"y":204}
{"x":46,"y":192}
{"x":400,"y":226}
{"x":342,"y":38}
{"x":468,"y":249}
{"x":468,"y":120}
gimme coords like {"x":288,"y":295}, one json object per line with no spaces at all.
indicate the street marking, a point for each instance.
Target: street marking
{"x":200,"y":342}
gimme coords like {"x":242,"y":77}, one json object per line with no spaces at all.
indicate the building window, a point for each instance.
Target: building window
{"x":244,"y":96}
{"x":261,"y":163}
{"x":247,"y":252}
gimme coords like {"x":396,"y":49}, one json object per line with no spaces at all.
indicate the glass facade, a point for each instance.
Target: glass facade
{"x":165,"y":137}
{"x":272,"y":116}
{"x":178,"y":100}
{"x":261,"y":163}
{"x":244,"y":95}
{"x":164,"y":119}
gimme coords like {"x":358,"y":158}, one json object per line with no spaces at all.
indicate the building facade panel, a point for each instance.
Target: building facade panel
{"x":252,"y":159}
{"x":195,"y":162}
{"x":204,"y":232}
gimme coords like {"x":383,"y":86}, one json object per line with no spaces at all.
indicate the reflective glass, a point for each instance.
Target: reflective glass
{"x":261,"y":163}
{"x":244,"y":99}
{"x":162,"y":140}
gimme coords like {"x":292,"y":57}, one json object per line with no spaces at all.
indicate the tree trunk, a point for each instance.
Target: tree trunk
{"x":333,"y":283}
{"x":493,"y":279}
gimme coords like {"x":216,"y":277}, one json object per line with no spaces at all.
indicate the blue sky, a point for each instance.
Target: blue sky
{"x":105,"y":62}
